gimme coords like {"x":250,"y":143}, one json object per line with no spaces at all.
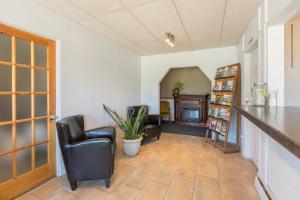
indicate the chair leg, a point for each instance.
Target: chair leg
{"x":158,"y":137}
{"x":107,"y":182}
{"x":73,"y":185}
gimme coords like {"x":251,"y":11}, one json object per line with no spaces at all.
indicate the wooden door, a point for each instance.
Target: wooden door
{"x":27,"y":102}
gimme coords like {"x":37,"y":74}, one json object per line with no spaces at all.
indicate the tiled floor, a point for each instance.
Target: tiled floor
{"x":175,"y":167}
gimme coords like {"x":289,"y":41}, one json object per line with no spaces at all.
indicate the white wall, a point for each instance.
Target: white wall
{"x":153,"y":69}
{"x":92,"y":70}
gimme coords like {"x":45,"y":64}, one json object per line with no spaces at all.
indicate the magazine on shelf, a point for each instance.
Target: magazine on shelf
{"x":232,"y":70}
{"x":219,"y":126}
{"x":219,"y":73}
{"x":223,"y":128}
{"x":213,"y":125}
{"x":218,"y":85}
{"x":227,"y":100}
{"x":225,"y":114}
{"x":229,"y":85}
{"x":213,"y":98}
{"x":225,"y":72}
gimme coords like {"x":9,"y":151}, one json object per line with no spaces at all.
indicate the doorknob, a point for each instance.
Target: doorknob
{"x":53,"y":117}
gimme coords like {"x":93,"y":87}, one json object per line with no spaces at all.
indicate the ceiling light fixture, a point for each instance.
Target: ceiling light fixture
{"x":170,"y":39}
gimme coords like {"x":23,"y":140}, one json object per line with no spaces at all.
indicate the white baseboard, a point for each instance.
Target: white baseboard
{"x":262,"y":192}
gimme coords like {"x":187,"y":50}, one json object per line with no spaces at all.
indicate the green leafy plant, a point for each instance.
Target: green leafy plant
{"x":131,"y":125}
{"x":178,"y":86}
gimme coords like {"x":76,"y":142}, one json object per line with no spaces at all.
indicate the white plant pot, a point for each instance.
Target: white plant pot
{"x":132,"y":147}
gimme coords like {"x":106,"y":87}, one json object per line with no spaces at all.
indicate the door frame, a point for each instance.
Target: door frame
{"x":39,"y":175}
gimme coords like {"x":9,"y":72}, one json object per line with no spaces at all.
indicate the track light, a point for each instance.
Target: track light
{"x":170,"y":39}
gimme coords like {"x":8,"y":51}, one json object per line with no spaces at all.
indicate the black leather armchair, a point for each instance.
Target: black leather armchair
{"x":87,"y":155}
{"x":150,"y":125}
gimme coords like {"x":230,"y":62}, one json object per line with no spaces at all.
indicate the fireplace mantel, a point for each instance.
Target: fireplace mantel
{"x":191,"y":109}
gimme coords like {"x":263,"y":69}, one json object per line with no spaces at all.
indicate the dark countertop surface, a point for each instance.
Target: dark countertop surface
{"x":280,"y":123}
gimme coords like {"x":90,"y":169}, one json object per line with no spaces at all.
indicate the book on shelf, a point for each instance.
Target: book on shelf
{"x":229,"y":85}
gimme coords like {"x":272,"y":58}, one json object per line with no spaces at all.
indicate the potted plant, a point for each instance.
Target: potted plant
{"x":131,"y":126}
{"x":177,"y":88}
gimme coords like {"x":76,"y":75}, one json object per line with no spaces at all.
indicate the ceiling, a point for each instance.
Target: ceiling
{"x":140,"y":25}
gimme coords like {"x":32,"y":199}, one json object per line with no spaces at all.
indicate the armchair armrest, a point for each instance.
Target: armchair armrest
{"x":85,"y":155}
{"x":103,"y":132}
{"x":153,"y":120}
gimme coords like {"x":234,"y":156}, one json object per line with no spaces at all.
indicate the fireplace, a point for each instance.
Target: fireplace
{"x":190,"y":114}
{"x":191,"y":109}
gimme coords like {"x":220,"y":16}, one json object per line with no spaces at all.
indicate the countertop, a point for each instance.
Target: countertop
{"x":280,"y":123}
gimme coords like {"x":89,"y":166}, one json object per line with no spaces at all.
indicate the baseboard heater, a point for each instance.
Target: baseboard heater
{"x":262,"y":190}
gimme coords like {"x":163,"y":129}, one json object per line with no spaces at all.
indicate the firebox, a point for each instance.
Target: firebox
{"x":191,"y":109}
{"x":190,"y":114}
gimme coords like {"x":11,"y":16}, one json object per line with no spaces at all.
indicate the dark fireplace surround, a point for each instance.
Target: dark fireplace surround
{"x":191,"y":109}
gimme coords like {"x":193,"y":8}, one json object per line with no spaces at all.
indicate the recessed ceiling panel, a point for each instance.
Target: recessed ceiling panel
{"x":239,"y":12}
{"x":101,"y":29}
{"x":97,"y":7}
{"x":199,"y":15}
{"x":128,"y":26}
{"x":64,"y":8}
{"x":231,"y":36}
{"x":166,"y":21}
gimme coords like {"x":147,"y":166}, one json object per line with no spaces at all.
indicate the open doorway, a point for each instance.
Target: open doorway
{"x":184,"y":111}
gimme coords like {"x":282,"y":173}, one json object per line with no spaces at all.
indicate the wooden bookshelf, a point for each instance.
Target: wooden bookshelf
{"x":226,"y":93}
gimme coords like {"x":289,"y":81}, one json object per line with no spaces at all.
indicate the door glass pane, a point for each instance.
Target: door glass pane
{"x":41,"y":154}
{"x":40,"y":58}
{"x":5,"y":77}
{"x":23,"y":134}
{"x":23,"y":79}
{"x":5,"y":138}
{"x":5,"y":108}
{"x":40,"y":105}
{"x":6,"y":168}
{"x":40,"y":80}
{"x":23,"y":106}
{"x":23,"y":161}
{"x":23,"y":52}
{"x":5,"y":50}
{"x":41,"y":130}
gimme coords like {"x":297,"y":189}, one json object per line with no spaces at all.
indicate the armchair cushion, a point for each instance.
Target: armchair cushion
{"x":106,"y":132}
{"x":86,"y":158}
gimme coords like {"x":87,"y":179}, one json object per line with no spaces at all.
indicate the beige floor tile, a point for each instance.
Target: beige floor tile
{"x":89,"y":190}
{"x":208,"y":167}
{"x":120,"y":174}
{"x":180,"y":189}
{"x":186,"y":174}
{"x":63,"y":195}
{"x":139,"y":177}
{"x":28,"y":196}
{"x":152,"y":191}
{"x":123,"y":192}
{"x":165,"y":173}
{"x":49,"y":189}
{"x":206,"y":188}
